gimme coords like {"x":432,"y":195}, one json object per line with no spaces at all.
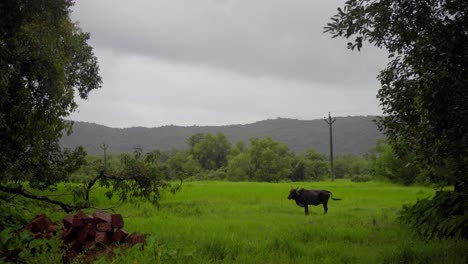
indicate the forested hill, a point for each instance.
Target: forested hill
{"x":354,"y":135}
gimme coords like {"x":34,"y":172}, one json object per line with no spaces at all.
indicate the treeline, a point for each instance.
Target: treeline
{"x":213,"y":157}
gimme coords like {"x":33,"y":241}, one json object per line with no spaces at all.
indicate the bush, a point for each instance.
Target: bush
{"x":17,"y":244}
{"x":211,"y":175}
{"x":361,"y":178}
{"x":441,"y":217}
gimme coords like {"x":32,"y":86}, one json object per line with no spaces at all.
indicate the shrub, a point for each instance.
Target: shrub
{"x":211,"y":175}
{"x":441,"y":217}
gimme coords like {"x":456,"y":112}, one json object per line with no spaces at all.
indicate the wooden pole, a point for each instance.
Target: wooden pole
{"x":330,"y":122}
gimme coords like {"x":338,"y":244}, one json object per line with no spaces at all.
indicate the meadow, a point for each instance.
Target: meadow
{"x":251,"y":222}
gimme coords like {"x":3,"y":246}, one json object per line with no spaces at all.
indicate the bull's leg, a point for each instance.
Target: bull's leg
{"x":325,"y":207}
{"x":306,"y":209}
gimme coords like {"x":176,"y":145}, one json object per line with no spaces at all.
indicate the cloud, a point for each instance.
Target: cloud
{"x":262,"y":37}
{"x":222,"y":62}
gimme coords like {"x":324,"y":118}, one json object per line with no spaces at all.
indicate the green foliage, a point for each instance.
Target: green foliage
{"x":310,"y":166}
{"x":17,"y":244}
{"x":361,"y":178}
{"x":439,"y":217}
{"x":182,"y":165}
{"x":423,"y":89}
{"x":210,"y":150}
{"x":44,"y":60}
{"x":239,"y":168}
{"x":138,"y":176}
{"x":211,"y":175}
{"x":270,"y":160}
{"x":12,"y":239}
{"x":386,"y":164}
{"x":90,"y":168}
{"x":348,"y":166}
{"x":155,"y":252}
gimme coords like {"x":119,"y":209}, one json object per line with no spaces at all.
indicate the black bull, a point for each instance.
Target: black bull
{"x":315,"y":197}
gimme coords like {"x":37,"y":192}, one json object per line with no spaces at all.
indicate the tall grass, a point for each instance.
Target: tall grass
{"x":246,"y":222}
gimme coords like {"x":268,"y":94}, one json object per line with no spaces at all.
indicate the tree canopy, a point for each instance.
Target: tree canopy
{"x":44,"y":61}
{"x":424,"y":89}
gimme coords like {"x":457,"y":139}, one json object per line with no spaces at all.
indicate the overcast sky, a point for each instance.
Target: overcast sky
{"x":221,"y":62}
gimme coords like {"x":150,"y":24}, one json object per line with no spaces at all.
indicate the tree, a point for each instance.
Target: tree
{"x":44,"y":61}
{"x":423,"y":94}
{"x":238,"y":148}
{"x":310,"y":165}
{"x":239,"y":168}
{"x":211,"y":151}
{"x":195,"y":139}
{"x":182,"y":165}
{"x":270,"y":160}
{"x":423,"y":91}
{"x":396,"y":169}
{"x":348,"y":166}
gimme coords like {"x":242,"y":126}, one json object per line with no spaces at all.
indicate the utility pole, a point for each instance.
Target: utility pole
{"x":104,"y":147}
{"x":330,"y":122}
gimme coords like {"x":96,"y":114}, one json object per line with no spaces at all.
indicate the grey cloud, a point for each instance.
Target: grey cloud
{"x":258,"y":38}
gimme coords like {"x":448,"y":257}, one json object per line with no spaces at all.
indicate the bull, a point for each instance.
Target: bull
{"x":305,"y":197}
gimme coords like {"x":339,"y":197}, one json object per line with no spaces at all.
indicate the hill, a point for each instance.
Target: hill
{"x":352,"y":134}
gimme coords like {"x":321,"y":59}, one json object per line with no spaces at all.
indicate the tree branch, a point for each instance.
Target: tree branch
{"x":20,"y":191}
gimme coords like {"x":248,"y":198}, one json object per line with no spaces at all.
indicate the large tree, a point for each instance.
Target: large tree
{"x":210,"y":150}
{"x":270,"y":161}
{"x":424,"y":89}
{"x":45,"y":62}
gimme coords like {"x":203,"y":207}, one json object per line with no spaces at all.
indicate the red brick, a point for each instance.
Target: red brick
{"x":117,"y":221}
{"x":104,"y":227}
{"x":77,"y":221}
{"x":69,"y":235}
{"x":68,"y":221}
{"x":91,"y":231}
{"x":81,"y":238}
{"x":119,"y":235}
{"x":102,"y":217}
{"x":89,"y":220}
{"x":52,"y":229}
{"x":39,"y":224}
{"x":101,"y":238}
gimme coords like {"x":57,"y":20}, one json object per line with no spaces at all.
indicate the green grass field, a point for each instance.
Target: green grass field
{"x":210,"y":222}
{"x":247,"y":222}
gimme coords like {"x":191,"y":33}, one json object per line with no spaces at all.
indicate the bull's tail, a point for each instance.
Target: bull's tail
{"x":331,"y":195}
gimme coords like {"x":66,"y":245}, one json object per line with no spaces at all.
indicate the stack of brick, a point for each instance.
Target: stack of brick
{"x":42,"y":227}
{"x":84,"y":233}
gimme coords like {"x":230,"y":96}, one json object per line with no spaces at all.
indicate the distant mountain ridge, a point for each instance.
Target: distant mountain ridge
{"x":352,"y":134}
